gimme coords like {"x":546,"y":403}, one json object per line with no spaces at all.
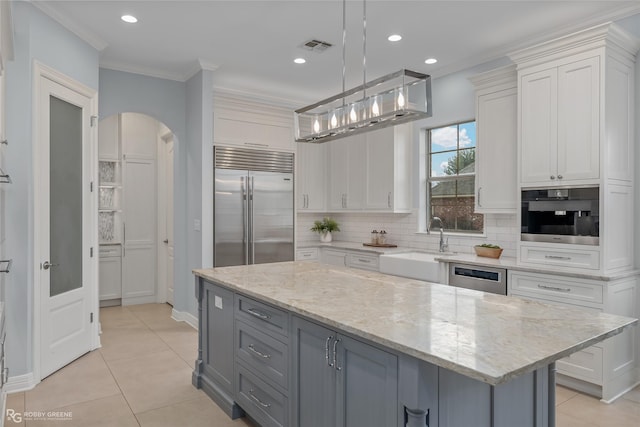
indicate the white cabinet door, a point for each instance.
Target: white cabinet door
{"x":311,"y":177}
{"x":110,"y":278}
{"x":334,"y":257}
{"x":579,"y":120}
{"x":338,"y":164}
{"x":496,"y":160}
{"x":380,"y":169}
{"x":538,"y":126}
{"x":139,"y":252}
{"x":139,"y":135}
{"x":109,"y":138}
{"x":346,"y":169}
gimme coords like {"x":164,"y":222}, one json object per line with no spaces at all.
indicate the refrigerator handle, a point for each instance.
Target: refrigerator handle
{"x":245,"y":248}
{"x":252,"y":237}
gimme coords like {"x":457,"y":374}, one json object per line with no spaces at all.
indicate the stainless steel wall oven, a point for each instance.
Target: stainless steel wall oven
{"x":567,"y":215}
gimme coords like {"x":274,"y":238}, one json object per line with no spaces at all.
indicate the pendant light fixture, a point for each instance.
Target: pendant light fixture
{"x":395,"y":98}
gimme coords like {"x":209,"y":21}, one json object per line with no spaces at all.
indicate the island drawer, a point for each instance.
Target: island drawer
{"x":363,"y":261}
{"x":553,"y":288}
{"x":263,"y":354}
{"x":264,"y":403}
{"x":589,"y":259}
{"x":264,"y":317}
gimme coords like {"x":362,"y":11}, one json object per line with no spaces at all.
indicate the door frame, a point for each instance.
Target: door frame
{"x":41,"y":71}
{"x":163,"y":182}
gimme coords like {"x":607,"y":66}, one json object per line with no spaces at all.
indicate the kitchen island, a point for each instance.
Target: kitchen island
{"x":305,"y":344}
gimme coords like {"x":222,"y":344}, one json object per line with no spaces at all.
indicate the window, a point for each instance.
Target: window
{"x":450,"y":174}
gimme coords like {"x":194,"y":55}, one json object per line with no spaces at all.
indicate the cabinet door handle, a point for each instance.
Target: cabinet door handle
{"x":566,"y":258}
{"x":326,"y":352}
{"x":559,"y":176}
{"x":335,"y":355}
{"x":479,"y":203}
{"x":552,"y":177}
{"x":258,"y":314}
{"x":258,"y":353}
{"x":5,"y":375}
{"x":124,"y":239}
{"x":554,"y":288}
{"x":389,"y":199}
{"x":257,"y":399}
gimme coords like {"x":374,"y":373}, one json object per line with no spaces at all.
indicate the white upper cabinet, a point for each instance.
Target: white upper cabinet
{"x":139,"y":135}
{"x":311,"y":181}
{"x":346,"y":169}
{"x":560,"y":122}
{"x":371,"y":171}
{"x":388,"y":169}
{"x":496,"y":127}
{"x":250,"y":124}
{"x":109,"y":137}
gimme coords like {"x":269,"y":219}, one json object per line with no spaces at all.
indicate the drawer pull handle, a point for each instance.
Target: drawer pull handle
{"x":326,"y":351}
{"x":257,"y":399}
{"x":566,"y":258}
{"x":258,"y":314}
{"x":258,"y":353}
{"x":367,"y":261}
{"x":554,"y":288}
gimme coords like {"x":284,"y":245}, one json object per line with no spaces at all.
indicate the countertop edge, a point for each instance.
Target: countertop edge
{"x":400,"y":348}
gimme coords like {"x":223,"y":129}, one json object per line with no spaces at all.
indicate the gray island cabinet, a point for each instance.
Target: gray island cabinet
{"x":302,"y":344}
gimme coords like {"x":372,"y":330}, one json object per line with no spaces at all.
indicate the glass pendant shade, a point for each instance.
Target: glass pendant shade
{"x":393,"y":99}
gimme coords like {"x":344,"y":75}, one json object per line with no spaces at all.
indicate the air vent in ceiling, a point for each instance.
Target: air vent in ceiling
{"x":316,"y":45}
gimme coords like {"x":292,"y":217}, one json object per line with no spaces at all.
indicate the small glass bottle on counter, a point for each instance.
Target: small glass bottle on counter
{"x":382,"y":237}
{"x":374,"y":237}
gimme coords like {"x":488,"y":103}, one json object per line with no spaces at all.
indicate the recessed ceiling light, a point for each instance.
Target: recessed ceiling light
{"x":430,"y":61}
{"x":394,"y":38}
{"x":130,"y":19}
{"x":299,"y":60}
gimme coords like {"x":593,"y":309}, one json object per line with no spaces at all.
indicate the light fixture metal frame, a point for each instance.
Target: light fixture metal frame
{"x":410,"y":112}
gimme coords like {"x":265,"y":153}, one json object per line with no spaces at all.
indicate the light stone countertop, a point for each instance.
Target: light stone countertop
{"x":353,"y":246}
{"x":490,"y":338}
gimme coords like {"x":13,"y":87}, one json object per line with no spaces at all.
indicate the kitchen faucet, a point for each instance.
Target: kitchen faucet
{"x":443,"y":246}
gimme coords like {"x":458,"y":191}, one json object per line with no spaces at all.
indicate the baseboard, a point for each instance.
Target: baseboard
{"x":185,"y":316}
{"x":20,"y":383}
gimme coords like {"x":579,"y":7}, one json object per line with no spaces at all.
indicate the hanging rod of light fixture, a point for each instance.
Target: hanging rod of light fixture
{"x":395,"y":98}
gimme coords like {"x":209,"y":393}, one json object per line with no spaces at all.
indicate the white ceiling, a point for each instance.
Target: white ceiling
{"x":253,"y":43}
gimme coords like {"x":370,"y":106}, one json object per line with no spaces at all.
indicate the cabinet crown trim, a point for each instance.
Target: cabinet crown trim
{"x":603,"y":35}
{"x":504,"y":75}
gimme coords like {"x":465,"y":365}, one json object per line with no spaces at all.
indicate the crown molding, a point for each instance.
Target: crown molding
{"x":145,"y":71}
{"x":200,"y":64}
{"x":72,"y":25}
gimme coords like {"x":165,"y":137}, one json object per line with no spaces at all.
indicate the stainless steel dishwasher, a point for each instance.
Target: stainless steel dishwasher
{"x":486,"y":279}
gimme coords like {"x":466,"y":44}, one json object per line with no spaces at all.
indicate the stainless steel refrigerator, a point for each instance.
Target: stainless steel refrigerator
{"x":253,"y":206}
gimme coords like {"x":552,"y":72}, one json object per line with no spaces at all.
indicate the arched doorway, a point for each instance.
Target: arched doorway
{"x":135,"y":210}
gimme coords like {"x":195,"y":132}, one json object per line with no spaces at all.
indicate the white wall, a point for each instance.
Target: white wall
{"x":36,"y":37}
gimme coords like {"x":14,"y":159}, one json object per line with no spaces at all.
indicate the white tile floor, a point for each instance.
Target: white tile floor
{"x":142,"y":377}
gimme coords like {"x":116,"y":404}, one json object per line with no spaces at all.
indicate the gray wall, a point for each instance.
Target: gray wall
{"x":186,"y":108}
{"x":36,"y":37}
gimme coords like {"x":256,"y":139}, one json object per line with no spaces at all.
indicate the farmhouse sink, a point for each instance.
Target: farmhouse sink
{"x":414,"y":265}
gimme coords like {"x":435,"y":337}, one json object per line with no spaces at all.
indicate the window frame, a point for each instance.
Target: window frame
{"x":448,"y":178}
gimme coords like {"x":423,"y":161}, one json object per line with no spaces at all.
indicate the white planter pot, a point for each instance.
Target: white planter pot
{"x":325,"y":237}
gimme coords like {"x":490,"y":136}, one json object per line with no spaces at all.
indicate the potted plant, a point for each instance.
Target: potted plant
{"x":324,"y":228}
{"x":489,"y":251}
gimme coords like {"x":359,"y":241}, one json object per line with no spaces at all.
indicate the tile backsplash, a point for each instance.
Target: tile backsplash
{"x":500,"y":229}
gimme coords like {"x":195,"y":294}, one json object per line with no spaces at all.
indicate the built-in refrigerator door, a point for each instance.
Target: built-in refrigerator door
{"x":231,"y":218}
{"x":271,"y":222}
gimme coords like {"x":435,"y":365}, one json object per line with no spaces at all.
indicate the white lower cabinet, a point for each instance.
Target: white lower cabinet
{"x":307,"y":254}
{"x":610,"y":367}
{"x":110,"y":273}
{"x":572,"y":256}
{"x":352,"y":259}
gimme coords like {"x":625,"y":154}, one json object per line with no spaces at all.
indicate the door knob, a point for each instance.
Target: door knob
{"x":166,"y":241}
{"x":46,"y":265}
